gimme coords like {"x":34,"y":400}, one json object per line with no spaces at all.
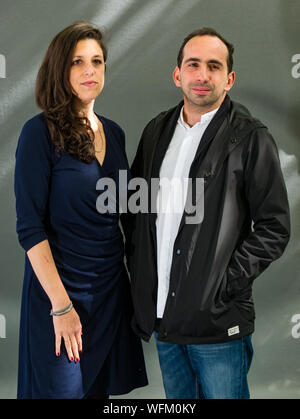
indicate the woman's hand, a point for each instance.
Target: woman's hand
{"x":68,"y":327}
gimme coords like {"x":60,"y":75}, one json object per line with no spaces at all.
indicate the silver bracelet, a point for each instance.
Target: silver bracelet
{"x":62,"y":311}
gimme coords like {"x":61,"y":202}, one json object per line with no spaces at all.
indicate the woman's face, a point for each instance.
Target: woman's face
{"x":87,"y":70}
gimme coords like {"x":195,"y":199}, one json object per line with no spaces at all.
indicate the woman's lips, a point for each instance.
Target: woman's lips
{"x":89,"y":83}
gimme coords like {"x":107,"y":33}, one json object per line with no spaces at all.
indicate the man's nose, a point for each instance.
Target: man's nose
{"x":202,"y":74}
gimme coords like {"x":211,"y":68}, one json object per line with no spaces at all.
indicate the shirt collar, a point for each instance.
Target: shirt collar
{"x":205,"y":119}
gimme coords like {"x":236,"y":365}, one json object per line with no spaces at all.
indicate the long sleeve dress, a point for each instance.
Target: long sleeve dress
{"x":56,"y":199}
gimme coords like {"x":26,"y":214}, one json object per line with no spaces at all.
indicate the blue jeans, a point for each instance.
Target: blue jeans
{"x":206,"y":371}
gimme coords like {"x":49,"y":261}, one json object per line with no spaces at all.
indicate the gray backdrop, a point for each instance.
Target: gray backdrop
{"x":143,"y":38}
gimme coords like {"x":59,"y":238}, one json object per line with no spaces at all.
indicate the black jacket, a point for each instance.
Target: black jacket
{"x":245,"y":227}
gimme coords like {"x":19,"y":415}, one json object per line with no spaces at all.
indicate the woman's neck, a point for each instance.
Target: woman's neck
{"x":87,"y":110}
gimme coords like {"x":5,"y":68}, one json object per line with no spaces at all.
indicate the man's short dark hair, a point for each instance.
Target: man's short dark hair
{"x":209,"y":32}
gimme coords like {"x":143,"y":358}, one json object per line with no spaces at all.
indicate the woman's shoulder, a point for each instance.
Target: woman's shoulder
{"x":37,"y":122}
{"x":35,"y":133}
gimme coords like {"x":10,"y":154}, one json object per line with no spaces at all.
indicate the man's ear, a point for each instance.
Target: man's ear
{"x":176,"y":77}
{"x":230,"y":81}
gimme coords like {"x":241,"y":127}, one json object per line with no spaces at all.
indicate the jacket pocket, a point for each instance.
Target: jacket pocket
{"x":230,"y":286}
{"x":235,"y":290}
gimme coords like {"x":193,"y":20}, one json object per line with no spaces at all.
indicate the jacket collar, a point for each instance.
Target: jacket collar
{"x":164,"y":128}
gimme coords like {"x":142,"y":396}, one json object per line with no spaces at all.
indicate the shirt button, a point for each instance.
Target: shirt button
{"x":165,"y":334}
{"x":173,"y":294}
{"x":178,"y":252}
{"x":233,"y":140}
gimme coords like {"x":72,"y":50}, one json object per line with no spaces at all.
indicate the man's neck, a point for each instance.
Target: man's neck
{"x":193,"y":113}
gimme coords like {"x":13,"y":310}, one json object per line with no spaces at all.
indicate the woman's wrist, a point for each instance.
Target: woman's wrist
{"x":60,"y":303}
{"x":62,"y":311}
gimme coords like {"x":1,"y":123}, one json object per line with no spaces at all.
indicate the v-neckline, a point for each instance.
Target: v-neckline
{"x":103,"y":125}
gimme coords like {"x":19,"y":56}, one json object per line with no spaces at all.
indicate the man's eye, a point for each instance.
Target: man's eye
{"x":96,"y":61}
{"x":193,"y":65}
{"x":214,"y":67}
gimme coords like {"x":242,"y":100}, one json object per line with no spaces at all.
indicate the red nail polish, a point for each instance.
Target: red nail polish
{"x":71,"y":359}
{"x":58,"y":354}
{"x":77,"y":359}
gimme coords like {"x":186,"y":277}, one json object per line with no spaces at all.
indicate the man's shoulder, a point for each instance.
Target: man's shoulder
{"x":164,"y":116}
{"x":242,"y":120}
{"x":166,"y":113}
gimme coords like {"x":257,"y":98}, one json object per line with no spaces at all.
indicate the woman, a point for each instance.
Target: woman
{"x":74,"y":254}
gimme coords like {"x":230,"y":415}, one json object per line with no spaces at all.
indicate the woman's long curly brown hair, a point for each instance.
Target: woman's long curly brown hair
{"x":69,"y":132}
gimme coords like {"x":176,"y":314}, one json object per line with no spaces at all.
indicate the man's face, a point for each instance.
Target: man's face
{"x":203,"y":75}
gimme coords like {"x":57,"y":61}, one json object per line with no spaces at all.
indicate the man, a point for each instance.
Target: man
{"x":192,"y":281}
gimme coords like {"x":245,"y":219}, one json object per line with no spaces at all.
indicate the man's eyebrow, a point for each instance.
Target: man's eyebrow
{"x":197,"y":60}
{"x":215,"y":62}
{"x":192,"y":59}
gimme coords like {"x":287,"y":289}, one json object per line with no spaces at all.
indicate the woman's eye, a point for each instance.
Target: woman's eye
{"x":95,"y":61}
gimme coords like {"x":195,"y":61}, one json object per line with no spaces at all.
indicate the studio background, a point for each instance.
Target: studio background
{"x":143,"y":39}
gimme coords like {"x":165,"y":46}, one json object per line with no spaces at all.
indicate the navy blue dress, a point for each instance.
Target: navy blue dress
{"x":56,"y":200}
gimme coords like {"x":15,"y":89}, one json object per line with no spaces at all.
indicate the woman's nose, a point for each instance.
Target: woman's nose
{"x":89,"y":69}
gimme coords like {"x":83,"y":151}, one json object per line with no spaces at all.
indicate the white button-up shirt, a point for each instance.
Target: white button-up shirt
{"x":174,"y":173}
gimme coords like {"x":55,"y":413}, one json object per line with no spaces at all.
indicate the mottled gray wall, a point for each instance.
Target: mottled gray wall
{"x":143,"y":37}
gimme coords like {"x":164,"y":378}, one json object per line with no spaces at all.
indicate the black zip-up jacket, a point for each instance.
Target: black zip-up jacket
{"x":246,"y":226}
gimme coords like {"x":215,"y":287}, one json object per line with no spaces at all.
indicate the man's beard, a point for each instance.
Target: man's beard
{"x":205,"y":101}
